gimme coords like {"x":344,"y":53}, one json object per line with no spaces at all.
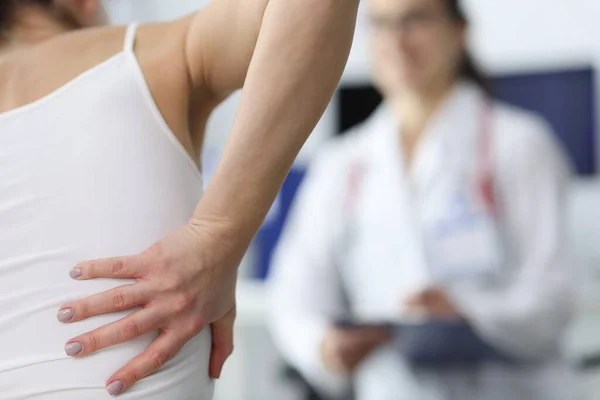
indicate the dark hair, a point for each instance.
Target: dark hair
{"x":7,"y":8}
{"x":468,"y":68}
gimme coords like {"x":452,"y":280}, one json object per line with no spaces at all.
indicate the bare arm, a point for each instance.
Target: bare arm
{"x":300,"y":54}
{"x":188,"y":278}
{"x":220,"y":41}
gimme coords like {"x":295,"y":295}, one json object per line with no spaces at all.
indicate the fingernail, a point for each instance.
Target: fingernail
{"x":73,"y":349}
{"x":65,"y":315}
{"x":75,"y":273}
{"x":115,"y":388}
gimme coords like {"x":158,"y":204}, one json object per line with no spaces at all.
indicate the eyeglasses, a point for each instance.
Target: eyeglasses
{"x":414,"y":21}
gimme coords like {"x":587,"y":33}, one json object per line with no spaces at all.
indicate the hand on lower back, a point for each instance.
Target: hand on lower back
{"x":184,"y":283}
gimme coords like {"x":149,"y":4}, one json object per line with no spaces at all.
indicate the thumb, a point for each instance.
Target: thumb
{"x":222,"y":343}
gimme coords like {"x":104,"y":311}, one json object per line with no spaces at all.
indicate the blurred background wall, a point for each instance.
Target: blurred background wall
{"x":510,"y":37}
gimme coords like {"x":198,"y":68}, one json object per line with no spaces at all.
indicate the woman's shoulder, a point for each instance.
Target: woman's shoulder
{"x":29,"y":74}
{"x":81,"y":46}
{"x":58,"y":60}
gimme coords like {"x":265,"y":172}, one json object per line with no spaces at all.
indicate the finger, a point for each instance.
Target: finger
{"x":132,"y":267}
{"x":412,"y":301}
{"x":163,"y":349}
{"x":417,"y":300}
{"x":359,"y":355}
{"x":339,"y":363}
{"x":114,"y":300}
{"x":430,"y":297}
{"x":352,"y":358}
{"x":121,"y":331}
{"x":375,"y":334}
{"x":222,"y":344}
{"x":437,"y":294}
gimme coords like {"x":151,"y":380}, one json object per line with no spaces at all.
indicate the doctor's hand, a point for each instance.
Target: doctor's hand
{"x":184,"y":284}
{"x":343,"y":349}
{"x":434,"y":302}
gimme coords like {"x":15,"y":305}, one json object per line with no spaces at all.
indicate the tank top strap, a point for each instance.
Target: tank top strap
{"x":130,"y":37}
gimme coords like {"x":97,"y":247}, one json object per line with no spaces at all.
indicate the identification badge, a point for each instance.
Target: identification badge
{"x":464,"y":242}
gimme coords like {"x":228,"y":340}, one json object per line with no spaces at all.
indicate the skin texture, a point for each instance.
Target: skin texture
{"x":289,"y":56}
{"x":415,"y":50}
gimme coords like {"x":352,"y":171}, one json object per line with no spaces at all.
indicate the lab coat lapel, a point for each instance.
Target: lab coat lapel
{"x":446,"y":148}
{"x":391,"y":252}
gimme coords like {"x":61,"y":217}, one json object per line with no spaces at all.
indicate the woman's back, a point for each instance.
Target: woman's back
{"x":88,"y":171}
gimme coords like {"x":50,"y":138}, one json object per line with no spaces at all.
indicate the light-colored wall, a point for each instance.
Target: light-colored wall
{"x":515,"y":34}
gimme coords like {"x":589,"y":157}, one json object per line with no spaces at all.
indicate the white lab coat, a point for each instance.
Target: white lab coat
{"x":524,"y":310}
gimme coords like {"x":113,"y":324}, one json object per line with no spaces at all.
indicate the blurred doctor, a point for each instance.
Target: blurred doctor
{"x":443,"y":202}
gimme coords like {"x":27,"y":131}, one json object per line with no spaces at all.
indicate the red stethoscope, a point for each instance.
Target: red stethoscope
{"x":485,"y":176}
{"x":485,"y":182}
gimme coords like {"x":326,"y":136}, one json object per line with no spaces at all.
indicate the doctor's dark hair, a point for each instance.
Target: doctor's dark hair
{"x":468,"y":68}
{"x":7,"y":9}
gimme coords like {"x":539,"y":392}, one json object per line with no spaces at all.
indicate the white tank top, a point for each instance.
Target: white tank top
{"x":89,"y":171}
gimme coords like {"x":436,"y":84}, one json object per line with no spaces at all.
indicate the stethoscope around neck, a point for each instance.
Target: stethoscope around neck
{"x":484,"y":176}
{"x":483,"y":183}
